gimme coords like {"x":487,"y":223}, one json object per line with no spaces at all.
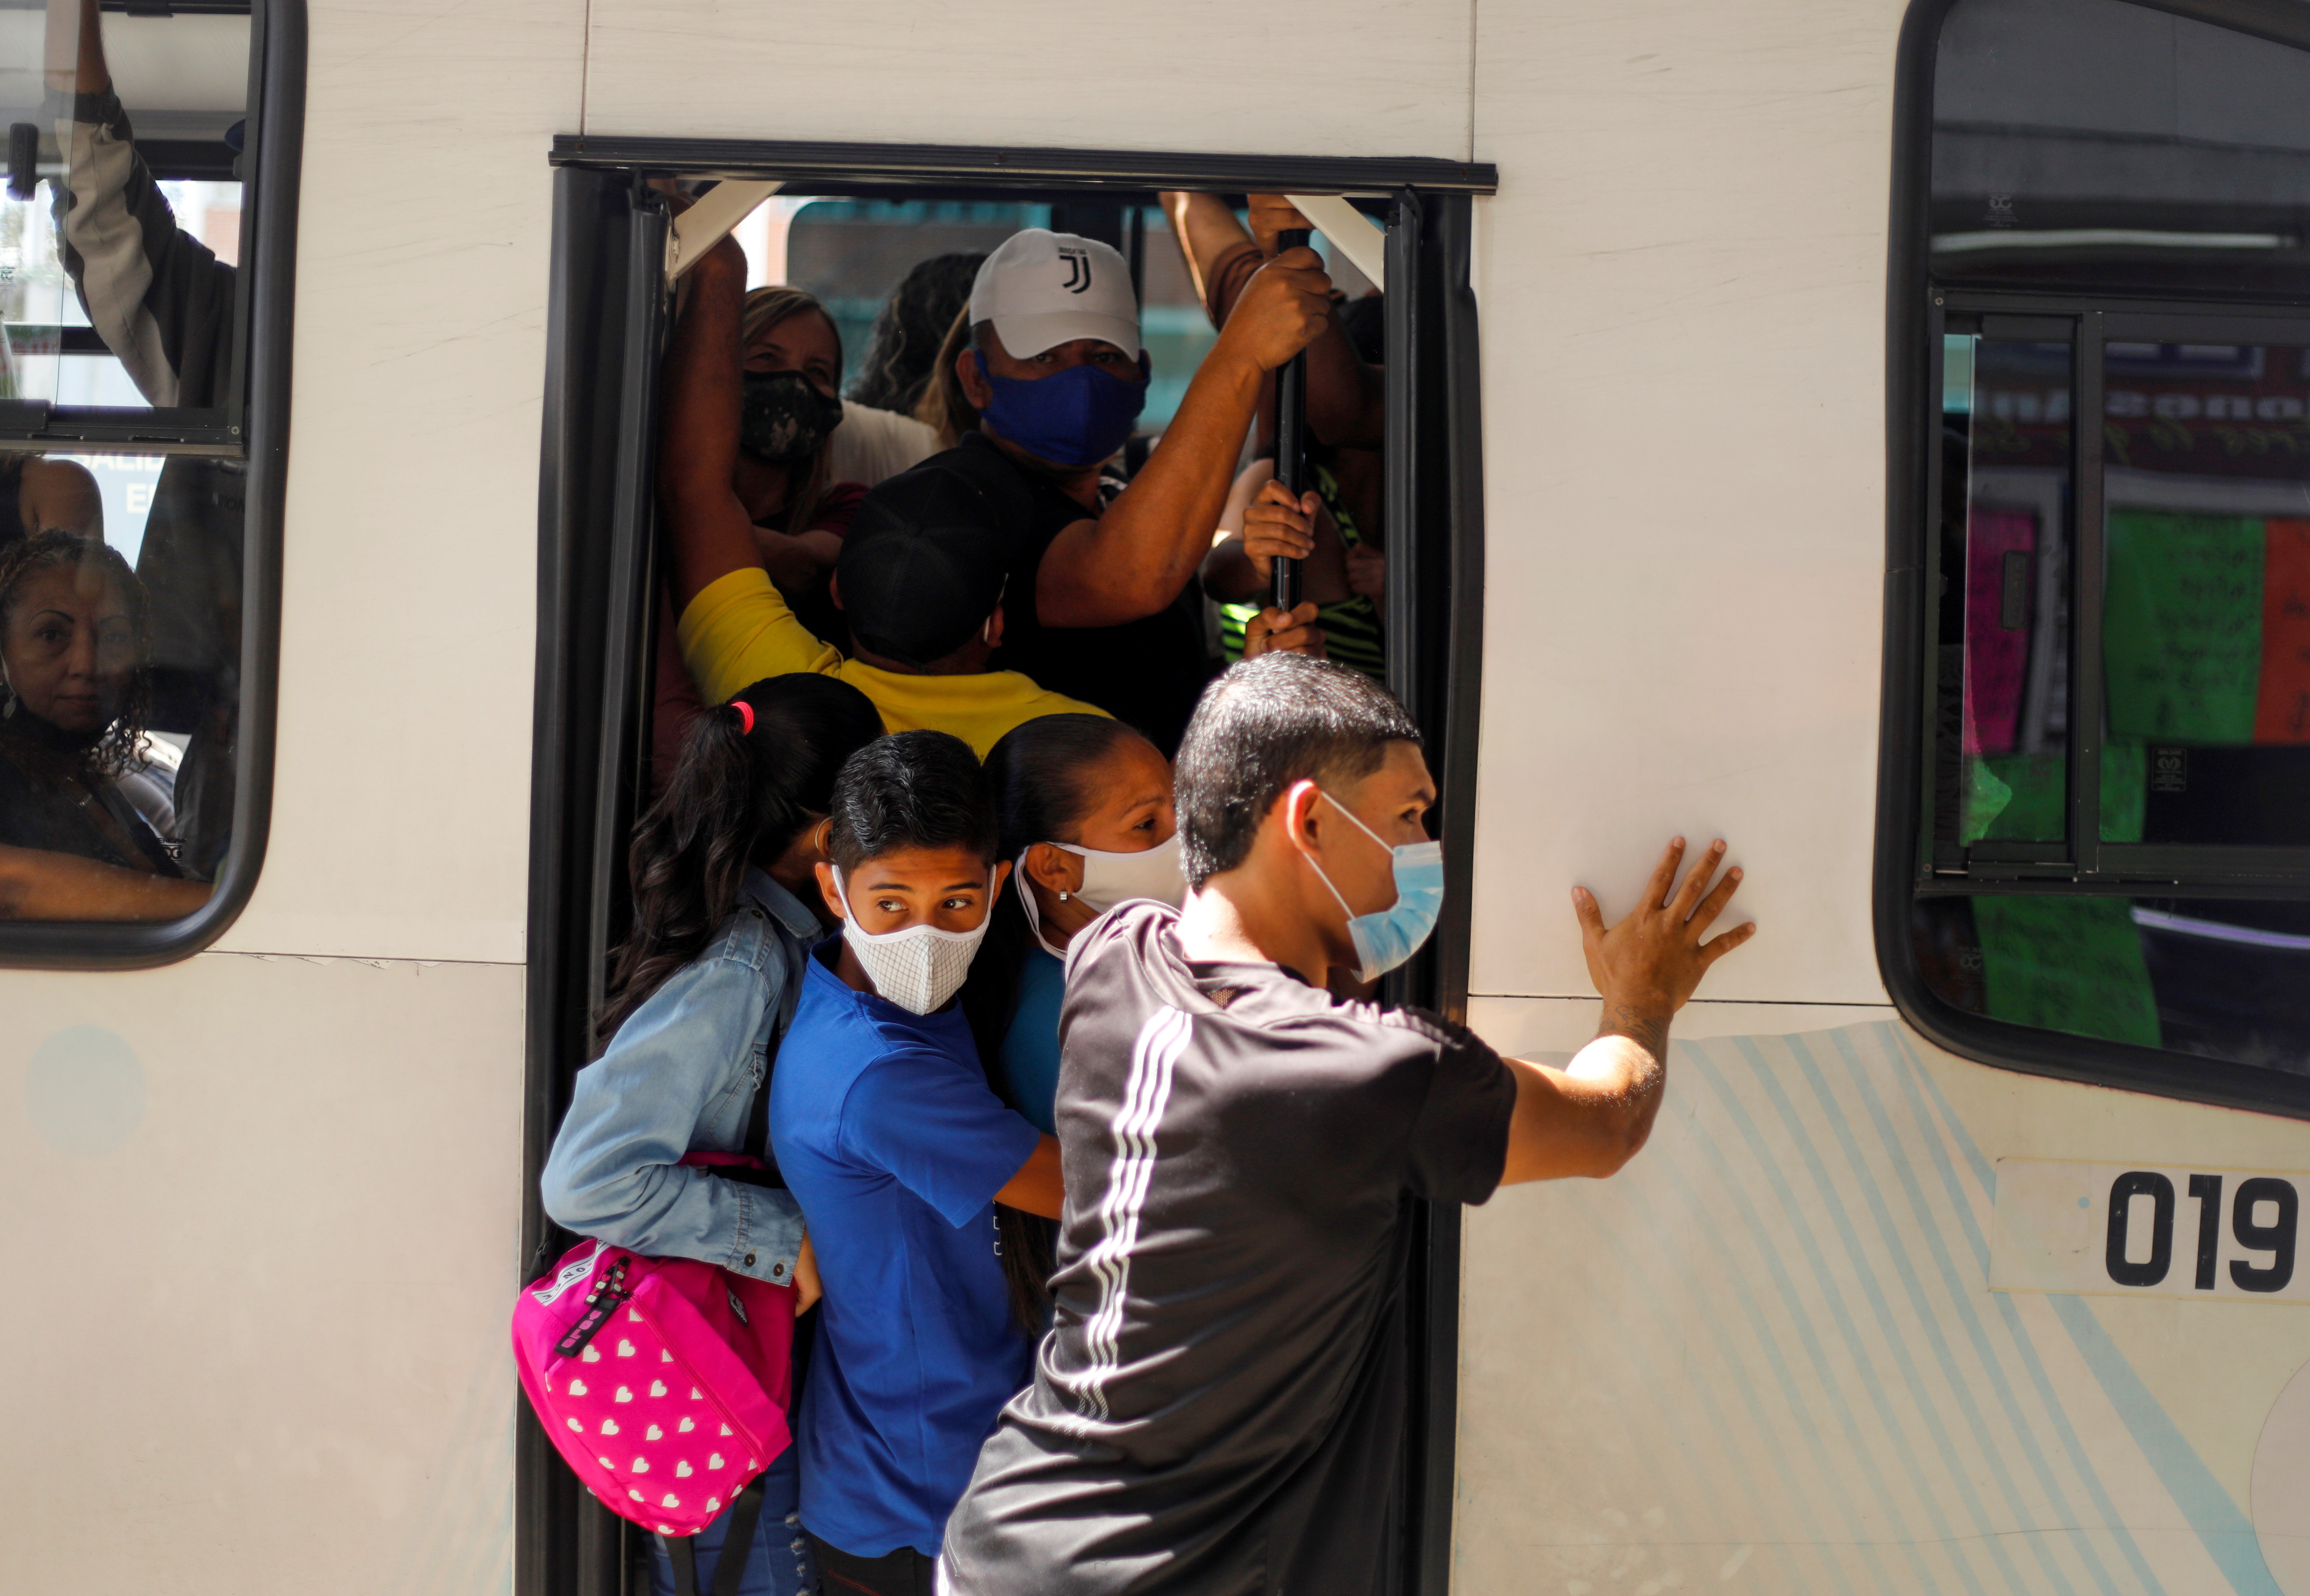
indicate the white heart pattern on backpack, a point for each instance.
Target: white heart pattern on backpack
{"x":657,"y":1388}
{"x":591,"y":1355}
{"x":654,"y":1434}
{"x":663,"y":1356}
{"x":641,"y":1465}
{"x":671,"y":1500}
{"x":713,"y":1503}
{"x":687,"y":1426}
{"x":715,"y":1460}
{"x":625,"y":1349}
{"x":609,"y":1426}
{"x":682,"y":1471}
{"x":623,"y":1395}
{"x":576,"y":1388}
{"x":575,"y":1426}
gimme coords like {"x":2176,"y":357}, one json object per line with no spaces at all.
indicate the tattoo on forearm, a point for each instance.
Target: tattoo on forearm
{"x":1647,"y":1031}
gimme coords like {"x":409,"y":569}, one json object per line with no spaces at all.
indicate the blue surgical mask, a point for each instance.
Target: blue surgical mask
{"x":1076,"y":417}
{"x":1386,"y":937}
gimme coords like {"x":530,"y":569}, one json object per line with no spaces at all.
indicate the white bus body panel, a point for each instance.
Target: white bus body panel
{"x":259,"y":1276}
{"x":268,"y":1267}
{"x":1766,"y":1354}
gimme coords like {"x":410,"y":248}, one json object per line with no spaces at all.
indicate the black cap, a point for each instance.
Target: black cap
{"x":923,"y":564}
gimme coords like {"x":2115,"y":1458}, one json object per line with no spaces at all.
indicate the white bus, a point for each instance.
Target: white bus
{"x":1738,"y":355}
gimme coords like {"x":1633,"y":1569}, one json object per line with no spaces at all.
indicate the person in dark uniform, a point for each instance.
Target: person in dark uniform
{"x":1220,"y":1405}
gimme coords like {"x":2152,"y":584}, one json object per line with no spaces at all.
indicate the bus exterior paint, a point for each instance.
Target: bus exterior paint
{"x":270,"y":1193}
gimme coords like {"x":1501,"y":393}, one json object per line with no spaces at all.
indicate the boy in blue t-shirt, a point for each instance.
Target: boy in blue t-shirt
{"x":888,"y":1133}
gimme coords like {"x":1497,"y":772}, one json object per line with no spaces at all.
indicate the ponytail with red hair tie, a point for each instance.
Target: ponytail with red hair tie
{"x":745,"y":717}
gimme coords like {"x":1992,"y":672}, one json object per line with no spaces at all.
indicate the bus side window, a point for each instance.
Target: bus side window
{"x":2113,"y":839}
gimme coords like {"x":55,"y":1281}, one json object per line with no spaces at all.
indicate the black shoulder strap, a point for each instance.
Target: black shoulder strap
{"x":737,"y":1546}
{"x":757,"y":1144}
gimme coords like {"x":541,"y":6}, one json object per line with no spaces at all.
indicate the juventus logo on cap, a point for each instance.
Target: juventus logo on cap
{"x":1078,"y":269}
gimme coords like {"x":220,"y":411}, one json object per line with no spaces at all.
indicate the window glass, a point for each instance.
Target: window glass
{"x":2116,"y":837}
{"x":2002,"y":730}
{"x":2206,"y":612}
{"x":2091,"y":141}
{"x":2219,"y":978}
{"x":121,"y":167}
{"x":121,"y":562}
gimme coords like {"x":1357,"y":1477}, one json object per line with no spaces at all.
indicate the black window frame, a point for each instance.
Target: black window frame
{"x":605,"y":330}
{"x":254,"y":427}
{"x":1917,"y":312}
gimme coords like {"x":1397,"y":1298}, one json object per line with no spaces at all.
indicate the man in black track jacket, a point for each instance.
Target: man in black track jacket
{"x":1220,"y":1407}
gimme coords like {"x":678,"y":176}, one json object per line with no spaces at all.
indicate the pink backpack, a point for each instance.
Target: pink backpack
{"x":665,"y":1382}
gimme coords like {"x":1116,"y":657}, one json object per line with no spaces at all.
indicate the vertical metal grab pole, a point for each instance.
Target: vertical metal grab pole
{"x":1290,"y":437}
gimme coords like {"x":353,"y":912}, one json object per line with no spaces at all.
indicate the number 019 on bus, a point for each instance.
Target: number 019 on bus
{"x":2117,"y":1230}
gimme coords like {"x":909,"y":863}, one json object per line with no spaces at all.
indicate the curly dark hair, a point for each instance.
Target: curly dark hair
{"x":122,"y":743}
{"x":902,"y":349}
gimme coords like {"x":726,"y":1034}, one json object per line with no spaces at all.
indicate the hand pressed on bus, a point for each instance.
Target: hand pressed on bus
{"x":1594,"y":1115}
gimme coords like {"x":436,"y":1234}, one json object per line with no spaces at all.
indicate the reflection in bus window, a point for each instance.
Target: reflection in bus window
{"x":2206,"y":621}
{"x":2002,"y":732}
{"x":120,"y":573}
{"x":120,"y":242}
{"x":2092,"y":144}
{"x":2097,"y":152}
{"x":75,"y":691}
{"x":2221,"y":978}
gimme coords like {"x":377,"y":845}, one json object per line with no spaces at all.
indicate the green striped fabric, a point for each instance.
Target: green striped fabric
{"x":1351,"y":628}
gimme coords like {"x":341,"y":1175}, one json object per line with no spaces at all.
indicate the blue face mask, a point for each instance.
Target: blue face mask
{"x":1385,"y":938}
{"x":1075,"y":417}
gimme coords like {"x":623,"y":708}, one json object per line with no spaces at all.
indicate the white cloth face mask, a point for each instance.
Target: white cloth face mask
{"x":1157,"y":874}
{"x":920,"y":967}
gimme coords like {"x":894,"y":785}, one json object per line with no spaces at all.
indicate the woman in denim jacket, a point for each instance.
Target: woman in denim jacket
{"x":700,"y":992}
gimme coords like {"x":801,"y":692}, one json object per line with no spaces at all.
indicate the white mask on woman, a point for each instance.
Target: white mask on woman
{"x":919,"y":967}
{"x":1156,"y":873}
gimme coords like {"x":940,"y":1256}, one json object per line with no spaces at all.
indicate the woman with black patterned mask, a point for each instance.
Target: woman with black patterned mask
{"x":789,"y":407}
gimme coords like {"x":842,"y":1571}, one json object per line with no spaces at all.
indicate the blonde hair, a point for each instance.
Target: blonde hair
{"x":945,"y":409}
{"x":764,"y":308}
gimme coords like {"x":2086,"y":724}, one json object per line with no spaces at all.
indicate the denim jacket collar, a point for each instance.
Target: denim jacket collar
{"x":782,"y":907}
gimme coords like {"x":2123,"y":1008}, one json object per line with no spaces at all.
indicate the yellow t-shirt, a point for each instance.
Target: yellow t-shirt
{"x":739,"y":630}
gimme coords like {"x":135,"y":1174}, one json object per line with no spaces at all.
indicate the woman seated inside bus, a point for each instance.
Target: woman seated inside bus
{"x":790,"y":359}
{"x":1083,"y":805}
{"x":72,"y":706}
{"x":724,"y":883}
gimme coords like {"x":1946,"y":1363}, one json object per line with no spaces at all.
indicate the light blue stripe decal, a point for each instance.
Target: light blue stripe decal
{"x":1909,"y":1071}
{"x":2227,"y":1536}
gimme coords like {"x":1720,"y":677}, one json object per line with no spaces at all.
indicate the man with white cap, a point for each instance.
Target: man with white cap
{"x":1099,"y":603}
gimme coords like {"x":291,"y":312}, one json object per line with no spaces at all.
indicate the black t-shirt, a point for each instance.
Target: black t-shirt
{"x":1146,"y":673}
{"x":1220,"y":1407}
